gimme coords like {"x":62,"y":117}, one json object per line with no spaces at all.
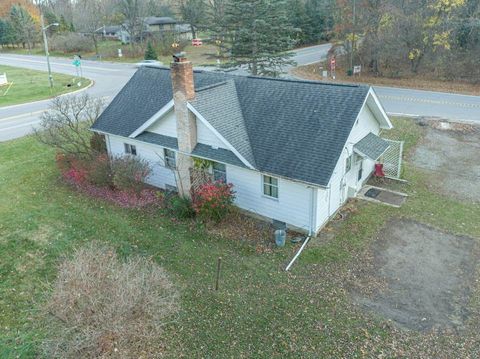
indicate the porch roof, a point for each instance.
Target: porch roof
{"x":371,"y":146}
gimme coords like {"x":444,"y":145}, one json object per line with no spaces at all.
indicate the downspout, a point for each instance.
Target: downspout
{"x":311,"y":230}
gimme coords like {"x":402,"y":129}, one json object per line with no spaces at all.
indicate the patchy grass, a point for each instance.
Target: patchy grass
{"x":32,"y":85}
{"x":312,"y":72}
{"x":259,"y":311}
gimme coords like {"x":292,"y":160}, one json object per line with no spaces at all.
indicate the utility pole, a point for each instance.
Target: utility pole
{"x":354,"y":23}
{"x":45,"y":43}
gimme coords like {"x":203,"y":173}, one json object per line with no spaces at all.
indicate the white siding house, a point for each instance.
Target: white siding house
{"x":289,"y":180}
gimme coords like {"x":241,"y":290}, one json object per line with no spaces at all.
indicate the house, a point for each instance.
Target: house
{"x":294,"y":150}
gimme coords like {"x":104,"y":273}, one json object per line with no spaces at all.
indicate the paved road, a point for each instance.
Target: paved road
{"x":16,"y":121}
{"x":429,"y":104}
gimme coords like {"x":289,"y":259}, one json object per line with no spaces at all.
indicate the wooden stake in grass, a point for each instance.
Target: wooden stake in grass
{"x":219,"y":264}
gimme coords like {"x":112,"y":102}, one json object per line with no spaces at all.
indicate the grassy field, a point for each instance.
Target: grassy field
{"x":31,"y":85}
{"x":260,"y":311}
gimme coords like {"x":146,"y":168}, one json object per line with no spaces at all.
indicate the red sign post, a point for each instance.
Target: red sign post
{"x":333,"y":63}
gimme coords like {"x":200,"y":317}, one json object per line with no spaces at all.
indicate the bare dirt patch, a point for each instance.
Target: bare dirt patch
{"x":450,"y":153}
{"x":422,"y":276}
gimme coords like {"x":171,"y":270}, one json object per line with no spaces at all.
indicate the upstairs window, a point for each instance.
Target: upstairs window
{"x":270,"y":186}
{"x":170,"y":161}
{"x":130,"y":149}
{"x":219,"y":172}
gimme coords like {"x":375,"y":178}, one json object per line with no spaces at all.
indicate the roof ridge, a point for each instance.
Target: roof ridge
{"x":208,"y":87}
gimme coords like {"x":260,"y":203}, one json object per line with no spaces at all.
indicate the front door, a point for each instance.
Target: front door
{"x":360,"y":171}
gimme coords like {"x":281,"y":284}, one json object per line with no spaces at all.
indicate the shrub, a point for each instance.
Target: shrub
{"x":100,"y":171}
{"x":102,"y":306}
{"x":213,"y":200}
{"x":181,"y":207}
{"x":71,"y":42}
{"x":150,"y":53}
{"x":72,"y":168}
{"x":129,"y":173}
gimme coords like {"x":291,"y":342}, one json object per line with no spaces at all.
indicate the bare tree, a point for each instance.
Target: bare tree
{"x":66,"y":124}
{"x":89,"y":17}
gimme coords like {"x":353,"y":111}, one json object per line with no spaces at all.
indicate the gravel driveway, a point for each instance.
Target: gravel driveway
{"x":451,"y":153}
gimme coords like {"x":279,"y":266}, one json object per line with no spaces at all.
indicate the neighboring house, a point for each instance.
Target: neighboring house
{"x":294,"y":150}
{"x":160,"y":24}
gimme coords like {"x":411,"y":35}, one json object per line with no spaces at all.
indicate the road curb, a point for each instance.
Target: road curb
{"x":92,"y":82}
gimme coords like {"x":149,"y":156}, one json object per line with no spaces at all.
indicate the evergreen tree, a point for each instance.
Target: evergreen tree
{"x":150,"y":53}
{"x":7,"y":33}
{"x":23,"y":25}
{"x":260,"y":35}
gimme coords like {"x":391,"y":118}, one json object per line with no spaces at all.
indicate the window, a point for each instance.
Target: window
{"x":219,"y":172}
{"x":348,"y":165}
{"x":270,"y":186}
{"x":130,"y":149}
{"x":170,"y":188}
{"x":360,"y":171}
{"x":169,"y":156}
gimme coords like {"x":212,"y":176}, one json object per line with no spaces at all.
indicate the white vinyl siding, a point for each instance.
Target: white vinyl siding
{"x":292,"y":207}
{"x":161,"y":175}
{"x":166,"y":125}
{"x":207,"y":137}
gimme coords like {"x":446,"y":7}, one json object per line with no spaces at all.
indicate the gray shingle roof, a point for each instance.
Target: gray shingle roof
{"x":218,"y":154}
{"x":219,"y":105}
{"x":371,"y":146}
{"x":200,"y":150}
{"x":295,"y":129}
{"x":157,"y":139}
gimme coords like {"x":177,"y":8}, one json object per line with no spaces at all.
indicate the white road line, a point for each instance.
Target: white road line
{"x":423,"y":100}
{"x":59,"y":64}
{"x":21,"y":125}
{"x":21,"y":115}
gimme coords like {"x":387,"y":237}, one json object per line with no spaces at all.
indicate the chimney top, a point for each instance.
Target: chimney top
{"x":180,"y":57}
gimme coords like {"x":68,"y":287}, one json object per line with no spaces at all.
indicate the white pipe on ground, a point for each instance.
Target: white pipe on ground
{"x":297,"y":254}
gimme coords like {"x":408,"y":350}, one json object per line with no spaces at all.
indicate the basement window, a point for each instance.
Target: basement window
{"x":170,"y":160}
{"x":130,"y":149}
{"x":270,"y":186}
{"x":219,"y":172}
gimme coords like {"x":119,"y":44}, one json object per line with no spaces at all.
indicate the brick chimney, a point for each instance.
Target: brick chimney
{"x":184,"y":91}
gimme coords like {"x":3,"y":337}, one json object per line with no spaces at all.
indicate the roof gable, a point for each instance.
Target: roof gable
{"x":218,"y":104}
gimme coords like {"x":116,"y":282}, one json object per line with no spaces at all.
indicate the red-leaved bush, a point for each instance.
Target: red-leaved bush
{"x":213,"y":200}
{"x":72,"y":168}
{"x":96,"y":179}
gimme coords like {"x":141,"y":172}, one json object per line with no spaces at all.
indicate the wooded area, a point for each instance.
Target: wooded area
{"x":390,"y":38}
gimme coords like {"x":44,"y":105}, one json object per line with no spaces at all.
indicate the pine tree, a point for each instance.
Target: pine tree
{"x":260,"y":35}
{"x":150,"y":53}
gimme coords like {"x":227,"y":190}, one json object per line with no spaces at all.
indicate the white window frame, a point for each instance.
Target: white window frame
{"x":217,"y":171}
{"x":349,"y":163}
{"x":170,"y":156}
{"x":130,"y":149}
{"x":270,"y":193}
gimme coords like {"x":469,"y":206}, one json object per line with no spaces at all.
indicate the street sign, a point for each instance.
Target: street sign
{"x":197,"y":42}
{"x":357,"y":69}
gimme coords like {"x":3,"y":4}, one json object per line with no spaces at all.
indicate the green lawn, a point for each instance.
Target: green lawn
{"x":31,"y":85}
{"x":260,"y":311}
